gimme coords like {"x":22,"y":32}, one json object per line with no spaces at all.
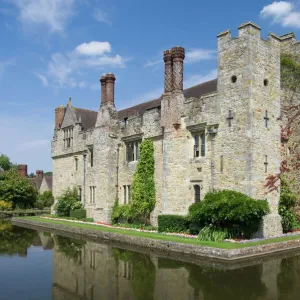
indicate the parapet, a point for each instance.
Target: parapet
{"x":248,"y":29}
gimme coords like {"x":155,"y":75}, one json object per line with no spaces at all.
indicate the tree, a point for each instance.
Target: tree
{"x":48,"y":174}
{"x":31,"y":175}
{"x":5,"y":162}
{"x":17,"y":189}
{"x":47,"y":198}
{"x":143,"y":186}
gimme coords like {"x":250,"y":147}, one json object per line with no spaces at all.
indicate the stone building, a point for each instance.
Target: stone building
{"x":221,"y":134}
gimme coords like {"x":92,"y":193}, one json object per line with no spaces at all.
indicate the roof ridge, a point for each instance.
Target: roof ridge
{"x":200,"y":84}
{"x":86,"y":109}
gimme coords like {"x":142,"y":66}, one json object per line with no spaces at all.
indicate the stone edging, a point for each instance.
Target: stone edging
{"x":196,"y":250}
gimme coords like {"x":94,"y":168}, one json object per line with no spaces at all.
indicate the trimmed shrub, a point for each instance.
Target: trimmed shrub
{"x":5,"y":205}
{"x":47,"y":198}
{"x":67,"y":201}
{"x":287,"y":205}
{"x":78,"y":213}
{"x":236,"y":212}
{"x":172,"y":223}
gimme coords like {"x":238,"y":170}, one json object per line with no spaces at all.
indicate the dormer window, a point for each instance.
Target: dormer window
{"x":68,"y":137}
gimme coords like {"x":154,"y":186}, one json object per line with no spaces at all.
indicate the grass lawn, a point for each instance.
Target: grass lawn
{"x":164,"y":237}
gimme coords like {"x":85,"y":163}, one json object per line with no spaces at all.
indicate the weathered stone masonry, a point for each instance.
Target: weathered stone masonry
{"x":222,"y":134}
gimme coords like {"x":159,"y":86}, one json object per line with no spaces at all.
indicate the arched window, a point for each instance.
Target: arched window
{"x":197,"y":193}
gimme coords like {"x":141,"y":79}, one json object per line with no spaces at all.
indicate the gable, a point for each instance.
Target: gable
{"x":69,"y":118}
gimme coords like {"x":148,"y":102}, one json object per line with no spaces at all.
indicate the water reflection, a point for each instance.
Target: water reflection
{"x":90,"y":271}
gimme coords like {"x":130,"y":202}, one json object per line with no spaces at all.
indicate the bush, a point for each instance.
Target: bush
{"x":67,"y":201}
{"x":78,"y":213}
{"x":211,"y":233}
{"x":286,"y":207}
{"x":47,"y":198}
{"x":39,"y":204}
{"x":172,"y":223}
{"x":121,"y":213}
{"x":5,"y":205}
{"x":237,"y":212}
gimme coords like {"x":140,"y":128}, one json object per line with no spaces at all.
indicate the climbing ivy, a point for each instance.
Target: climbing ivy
{"x":143,"y":186}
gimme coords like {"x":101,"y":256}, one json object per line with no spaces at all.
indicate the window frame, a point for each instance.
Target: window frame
{"x":199,"y":144}
{"x":134,"y":153}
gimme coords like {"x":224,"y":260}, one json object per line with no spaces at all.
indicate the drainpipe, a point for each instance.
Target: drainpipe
{"x":212,"y":132}
{"x":84,"y":171}
{"x":117,"y":168}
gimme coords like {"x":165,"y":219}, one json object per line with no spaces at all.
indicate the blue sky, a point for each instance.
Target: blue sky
{"x":53,"y":49}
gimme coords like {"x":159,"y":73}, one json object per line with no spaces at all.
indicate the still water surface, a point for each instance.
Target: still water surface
{"x":39,"y":265}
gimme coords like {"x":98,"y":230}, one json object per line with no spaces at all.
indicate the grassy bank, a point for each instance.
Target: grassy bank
{"x":164,"y":237}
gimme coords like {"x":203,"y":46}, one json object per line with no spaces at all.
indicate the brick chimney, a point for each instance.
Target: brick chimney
{"x":22,"y":169}
{"x":168,"y":71}
{"x":39,"y":174}
{"x":103,"y":89}
{"x":59,"y":116}
{"x":110,"y":88}
{"x":178,"y":55}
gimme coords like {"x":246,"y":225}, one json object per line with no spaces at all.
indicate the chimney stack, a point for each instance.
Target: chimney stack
{"x":103,"y":88}
{"x":110,"y":88}
{"x":59,"y":116}
{"x":22,"y":169}
{"x":39,"y":174}
{"x":178,"y":55}
{"x":168,"y":71}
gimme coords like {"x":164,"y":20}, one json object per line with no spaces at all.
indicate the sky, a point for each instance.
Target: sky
{"x":54,"y":49}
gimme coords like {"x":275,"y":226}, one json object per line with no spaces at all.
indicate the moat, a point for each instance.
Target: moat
{"x":41,"y":265}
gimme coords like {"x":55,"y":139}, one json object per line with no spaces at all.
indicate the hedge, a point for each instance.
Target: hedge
{"x":78,"y":213}
{"x":172,"y":223}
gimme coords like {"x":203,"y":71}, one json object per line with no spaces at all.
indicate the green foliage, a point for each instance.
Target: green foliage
{"x":39,"y":204}
{"x":143,"y":186}
{"x":70,"y":248}
{"x":5,"y":162}
{"x":48,"y":174}
{"x":78,"y":213}
{"x":17,"y":189}
{"x":47,"y":198}
{"x":67,"y":201}
{"x":121,"y":213}
{"x":5,"y":205}
{"x":287,"y":204}
{"x":214,"y":234}
{"x":238,"y":213}
{"x":172,"y":223}
{"x":290,"y":72}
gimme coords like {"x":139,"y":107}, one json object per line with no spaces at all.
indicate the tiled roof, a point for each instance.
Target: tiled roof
{"x":36,"y":182}
{"x":49,"y":181}
{"x":89,"y":117}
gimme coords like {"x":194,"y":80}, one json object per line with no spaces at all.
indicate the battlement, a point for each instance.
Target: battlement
{"x":246,"y":30}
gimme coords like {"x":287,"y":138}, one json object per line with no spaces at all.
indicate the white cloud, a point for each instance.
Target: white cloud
{"x":196,"y":55}
{"x":150,"y":63}
{"x":93,"y":48}
{"x":283,"y":13}
{"x":52,"y":13}
{"x":65,"y":69}
{"x":43,"y":79}
{"x":199,"y":78}
{"x":101,"y":16}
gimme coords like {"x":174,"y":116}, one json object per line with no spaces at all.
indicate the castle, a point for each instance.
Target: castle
{"x":221,"y":134}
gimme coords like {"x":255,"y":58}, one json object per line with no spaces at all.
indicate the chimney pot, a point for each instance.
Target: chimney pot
{"x":110,"y":88}
{"x":103,"y":89}
{"x":22,"y":169}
